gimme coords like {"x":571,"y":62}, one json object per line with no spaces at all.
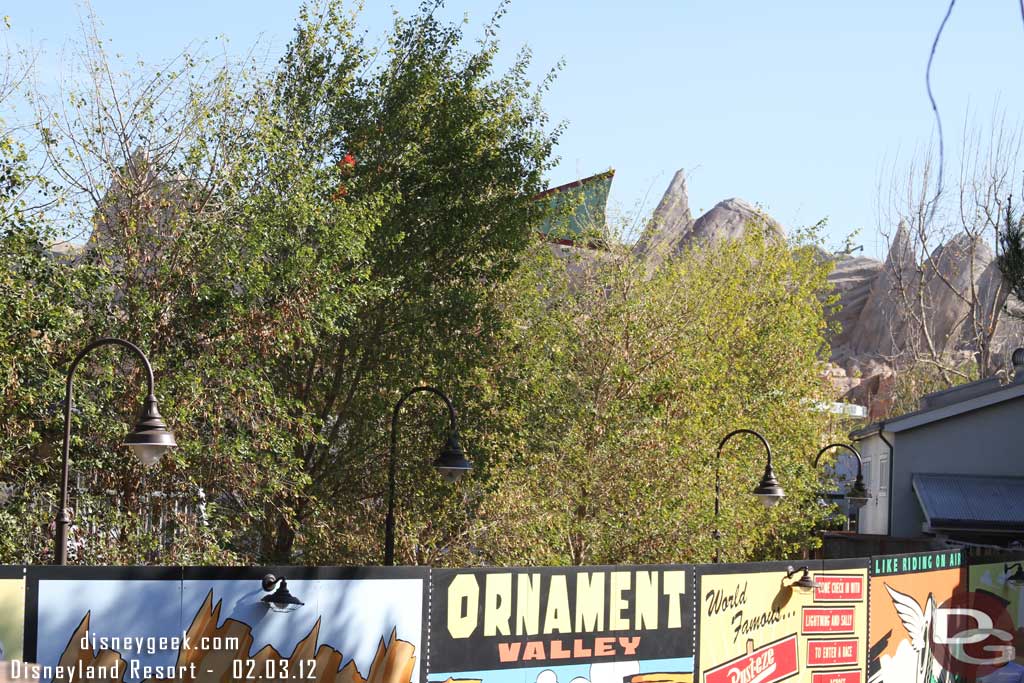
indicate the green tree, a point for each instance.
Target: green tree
{"x":296,"y":248}
{"x":38,"y":311}
{"x":623,"y":382}
{"x":293,"y":249}
{"x":455,"y":153}
{"x":1010,"y":257}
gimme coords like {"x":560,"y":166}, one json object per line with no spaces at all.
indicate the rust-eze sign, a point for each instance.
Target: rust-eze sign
{"x":756,"y":625}
{"x":775,"y":662}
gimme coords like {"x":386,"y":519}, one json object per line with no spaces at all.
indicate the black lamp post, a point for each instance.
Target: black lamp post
{"x":148,"y":440}
{"x":451,"y":463}
{"x":768,"y":490}
{"x":858,"y":493}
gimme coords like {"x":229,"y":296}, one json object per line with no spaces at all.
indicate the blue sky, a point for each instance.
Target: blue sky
{"x":797,"y":106}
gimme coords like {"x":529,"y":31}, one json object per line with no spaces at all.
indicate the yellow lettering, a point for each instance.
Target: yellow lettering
{"x":528,"y":605}
{"x":620,"y":582}
{"x":674,"y":586}
{"x":645,"y":598}
{"x":589,"y":602}
{"x":463,"y":599}
{"x":498,"y":604}
{"x":558,"y":617}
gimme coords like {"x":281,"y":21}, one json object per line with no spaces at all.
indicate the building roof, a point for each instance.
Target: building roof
{"x":971,"y":502}
{"x":938,"y":410}
{"x":577,"y":208}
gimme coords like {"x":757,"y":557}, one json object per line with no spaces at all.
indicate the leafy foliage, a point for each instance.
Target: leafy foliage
{"x":293,"y":250}
{"x":624,"y":383}
{"x":296,"y":248}
{"x":1010,"y":257}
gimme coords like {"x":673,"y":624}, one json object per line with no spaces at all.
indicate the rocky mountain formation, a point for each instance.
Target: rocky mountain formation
{"x":672,"y":226}
{"x":874,"y":334}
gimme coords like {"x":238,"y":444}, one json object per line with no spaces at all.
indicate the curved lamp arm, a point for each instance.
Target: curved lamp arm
{"x":452,"y":424}
{"x":858,"y":489}
{"x":389,"y":524}
{"x":851,"y":449}
{"x":768,"y":490}
{"x":63,"y":519}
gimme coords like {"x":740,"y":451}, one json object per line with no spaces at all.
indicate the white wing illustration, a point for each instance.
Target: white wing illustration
{"x":914,"y":619}
{"x":926,"y":663}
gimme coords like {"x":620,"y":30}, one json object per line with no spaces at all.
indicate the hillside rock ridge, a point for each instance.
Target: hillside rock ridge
{"x":672,"y":227}
{"x":874,"y":332}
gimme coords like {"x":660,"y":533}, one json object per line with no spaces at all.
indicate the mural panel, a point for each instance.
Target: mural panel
{"x":905,"y":592}
{"x":213,"y":624}
{"x":12,"y":612}
{"x":1000,"y":581}
{"x":756,"y":623}
{"x":624,"y":624}
{"x":562,"y":625}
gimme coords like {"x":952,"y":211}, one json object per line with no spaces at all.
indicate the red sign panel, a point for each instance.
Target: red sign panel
{"x":838,"y":588}
{"x":827,"y":620}
{"x":771,"y":663}
{"x":836,"y":677}
{"x":831,"y":652}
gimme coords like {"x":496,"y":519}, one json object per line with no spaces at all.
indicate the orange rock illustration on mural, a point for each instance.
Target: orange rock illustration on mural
{"x":394,"y":661}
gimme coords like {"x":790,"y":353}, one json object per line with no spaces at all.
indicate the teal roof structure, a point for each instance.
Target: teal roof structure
{"x":577,"y":209}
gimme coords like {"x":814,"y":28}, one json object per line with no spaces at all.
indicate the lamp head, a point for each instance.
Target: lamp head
{"x":1017,"y":577}
{"x":805,"y":584}
{"x":769,"y":491}
{"x":150,"y":438}
{"x":452,"y":463}
{"x":858,"y":494}
{"x":280,"y":600}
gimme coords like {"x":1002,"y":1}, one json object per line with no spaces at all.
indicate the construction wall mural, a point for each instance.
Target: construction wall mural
{"x":999,"y":584}
{"x":562,"y":625}
{"x":905,"y":592}
{"x":12,"y":612}
{"x":888,"y":619}
{"x":756,"y":623}
{"x":212,"y":624}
